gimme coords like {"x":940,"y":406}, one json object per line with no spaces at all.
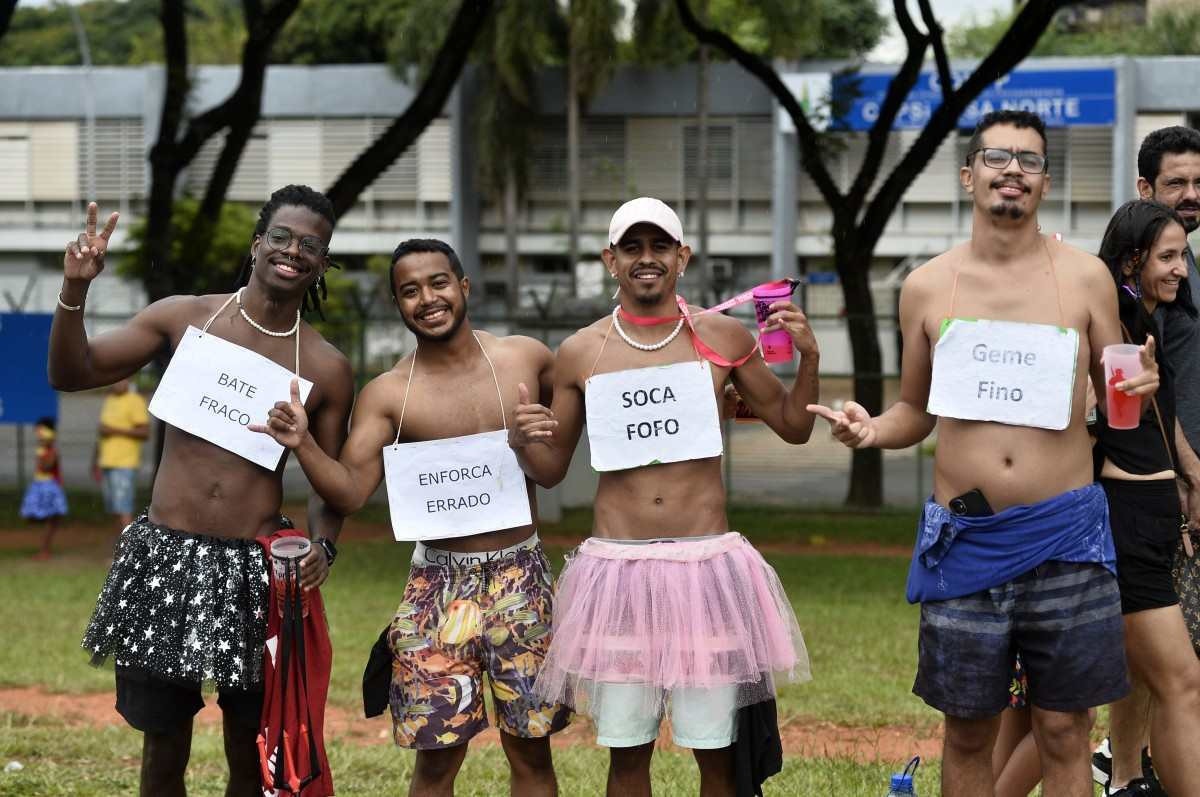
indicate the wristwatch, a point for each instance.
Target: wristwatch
{"x":329,"y":548}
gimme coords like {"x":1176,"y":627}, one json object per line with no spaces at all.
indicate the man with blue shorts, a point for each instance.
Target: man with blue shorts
{"x":1014,"y":552}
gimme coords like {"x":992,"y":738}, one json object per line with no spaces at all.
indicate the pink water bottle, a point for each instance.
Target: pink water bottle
{"x":776,"y":344}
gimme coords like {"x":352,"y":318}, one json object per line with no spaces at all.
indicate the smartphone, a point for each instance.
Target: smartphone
{"x":971,"y":503}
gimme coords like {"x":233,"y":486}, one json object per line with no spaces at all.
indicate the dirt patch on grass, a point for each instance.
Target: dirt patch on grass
{"x":801,"y":738}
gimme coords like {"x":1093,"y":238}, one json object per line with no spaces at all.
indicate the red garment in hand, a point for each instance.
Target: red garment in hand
{"x":295,"y":701}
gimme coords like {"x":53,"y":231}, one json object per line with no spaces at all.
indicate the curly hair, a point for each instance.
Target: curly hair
{"x":297,"y":196}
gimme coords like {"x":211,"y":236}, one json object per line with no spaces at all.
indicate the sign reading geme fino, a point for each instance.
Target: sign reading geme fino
{"x":1004,"y":371}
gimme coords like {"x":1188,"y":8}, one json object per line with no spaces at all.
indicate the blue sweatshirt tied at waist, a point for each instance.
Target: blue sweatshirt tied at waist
{"x":958,"y":555}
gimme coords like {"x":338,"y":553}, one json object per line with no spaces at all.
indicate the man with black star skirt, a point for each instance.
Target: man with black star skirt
{"x":185,"y":600}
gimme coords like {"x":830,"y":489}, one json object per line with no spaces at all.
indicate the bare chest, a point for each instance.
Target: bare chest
{"x":1034,"y":298}
{"x":438,"y":406}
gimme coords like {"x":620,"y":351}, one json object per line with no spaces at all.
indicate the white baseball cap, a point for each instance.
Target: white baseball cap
{"x":648,"y":210}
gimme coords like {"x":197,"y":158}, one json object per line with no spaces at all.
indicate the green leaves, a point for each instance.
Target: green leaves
{"x":213,"y":268}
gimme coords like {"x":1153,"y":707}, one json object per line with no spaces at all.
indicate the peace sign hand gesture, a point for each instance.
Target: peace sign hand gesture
{"x":84,"y":258}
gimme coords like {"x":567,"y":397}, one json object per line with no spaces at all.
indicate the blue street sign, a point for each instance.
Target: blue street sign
{"x":1062,"y":97}
{"x":25,"y":392}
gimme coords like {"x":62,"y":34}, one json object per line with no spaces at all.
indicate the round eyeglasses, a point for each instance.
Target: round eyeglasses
{"x":280,"y":238}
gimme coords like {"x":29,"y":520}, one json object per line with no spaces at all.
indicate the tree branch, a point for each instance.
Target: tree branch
{"x":1018,"y":41}
{"x":939,"y":49}
{"x":447,"y":66}
{"x":903,"y":19}
{"x":7,"y":8}
{"x":163,"y":161}
{"x":261,"y":31}
{"x":810,"y":151}
{"x":893,"y":100}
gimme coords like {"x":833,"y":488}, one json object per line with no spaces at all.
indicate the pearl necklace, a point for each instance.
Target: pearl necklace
{"x":295,"y":327}
{"x":644,"y":346}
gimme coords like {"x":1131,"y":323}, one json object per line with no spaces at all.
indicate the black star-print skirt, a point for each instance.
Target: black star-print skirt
{"x":183,"y":607}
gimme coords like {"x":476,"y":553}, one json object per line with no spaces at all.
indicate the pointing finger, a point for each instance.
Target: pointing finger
{"x":92,"y":212}
{"x":522,"y":393}
{"x":825,"y":412}
{"x":295,"y":390}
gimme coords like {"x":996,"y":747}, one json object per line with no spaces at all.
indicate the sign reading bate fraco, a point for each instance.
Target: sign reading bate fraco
{"x":25,"y":392}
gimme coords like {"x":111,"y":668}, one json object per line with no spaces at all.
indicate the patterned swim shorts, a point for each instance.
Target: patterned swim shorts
{"x":458,"y":621}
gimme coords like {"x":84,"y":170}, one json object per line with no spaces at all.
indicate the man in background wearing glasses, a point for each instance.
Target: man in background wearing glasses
{"x":1014,"y":552}
{"x":185,"y":600}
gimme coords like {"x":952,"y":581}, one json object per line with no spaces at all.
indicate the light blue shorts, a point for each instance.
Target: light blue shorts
{"x":701,"y":719}
{"x":117,"y":485}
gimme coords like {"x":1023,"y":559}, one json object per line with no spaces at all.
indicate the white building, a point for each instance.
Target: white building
{"x":639,"y":138}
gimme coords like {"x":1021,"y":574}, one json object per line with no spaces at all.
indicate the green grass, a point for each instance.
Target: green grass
{"x":104,"y":762}
{"x":860,"y":633}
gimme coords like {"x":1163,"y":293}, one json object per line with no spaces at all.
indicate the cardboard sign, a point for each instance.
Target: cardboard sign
{"x":455,"y":487}
{"x":1006,"y":372}
{"x":213,"y":389}
{"x":650,"y":416}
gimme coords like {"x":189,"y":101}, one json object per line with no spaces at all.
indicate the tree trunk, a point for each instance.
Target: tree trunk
{"x":512,"y":261}
{"x":573,"y":187}
{"x":703,"y":276}
{"x":866,"y":465}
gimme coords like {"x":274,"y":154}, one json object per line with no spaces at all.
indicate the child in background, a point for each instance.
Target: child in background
{"x":44,"y":499}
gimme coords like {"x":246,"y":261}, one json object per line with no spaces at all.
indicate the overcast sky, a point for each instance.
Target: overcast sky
{"x":950,"y":13}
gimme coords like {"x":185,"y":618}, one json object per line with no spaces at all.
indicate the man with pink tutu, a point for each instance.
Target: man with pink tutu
{"x":664,"y":608}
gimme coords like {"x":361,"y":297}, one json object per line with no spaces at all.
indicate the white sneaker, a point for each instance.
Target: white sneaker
{"x":1102,"y":763}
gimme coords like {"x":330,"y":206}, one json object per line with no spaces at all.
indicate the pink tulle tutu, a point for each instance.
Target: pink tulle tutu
{"x":705,"y":612}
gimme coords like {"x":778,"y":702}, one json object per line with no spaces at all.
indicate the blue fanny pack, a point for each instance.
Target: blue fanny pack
{"x":957,"y":555}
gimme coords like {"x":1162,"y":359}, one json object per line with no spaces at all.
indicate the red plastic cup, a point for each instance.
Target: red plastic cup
{"x":776,"y":344}
{"x":1121,"y":361}
{"x":286,"y":554}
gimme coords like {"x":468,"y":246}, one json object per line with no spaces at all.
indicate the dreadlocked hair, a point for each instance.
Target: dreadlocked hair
{"x":299,"y":196}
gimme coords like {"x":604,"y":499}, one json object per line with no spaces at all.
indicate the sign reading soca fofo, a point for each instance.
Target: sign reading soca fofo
{"x":213,"y":389}
{"x":1003,"y":371}
{"x":650,"y":416}
{"x":454,"y":487}
{"x":1062,"y":97}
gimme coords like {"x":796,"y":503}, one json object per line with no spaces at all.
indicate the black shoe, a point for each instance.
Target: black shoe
{"x":1151,"y":778}
{"x":1102,"y":763}
{"x":1138,"y":787}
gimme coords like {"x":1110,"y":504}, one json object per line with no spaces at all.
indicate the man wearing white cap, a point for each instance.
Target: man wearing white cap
{"x":664,"y":604}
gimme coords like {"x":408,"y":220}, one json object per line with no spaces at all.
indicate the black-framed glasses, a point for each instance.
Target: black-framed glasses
{"x":280,"y":238}
{"x":997,"y":158}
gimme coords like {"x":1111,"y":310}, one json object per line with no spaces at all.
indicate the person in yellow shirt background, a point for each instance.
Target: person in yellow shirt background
{"x":124,"y":425}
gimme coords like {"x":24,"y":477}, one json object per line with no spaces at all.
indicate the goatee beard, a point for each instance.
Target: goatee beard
{"x":1012,"y":210}
{"x":648,"y":299}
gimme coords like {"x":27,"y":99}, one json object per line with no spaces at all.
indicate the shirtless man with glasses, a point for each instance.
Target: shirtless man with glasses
{"x":1014,"y":552}
{"x":185,"y":600}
